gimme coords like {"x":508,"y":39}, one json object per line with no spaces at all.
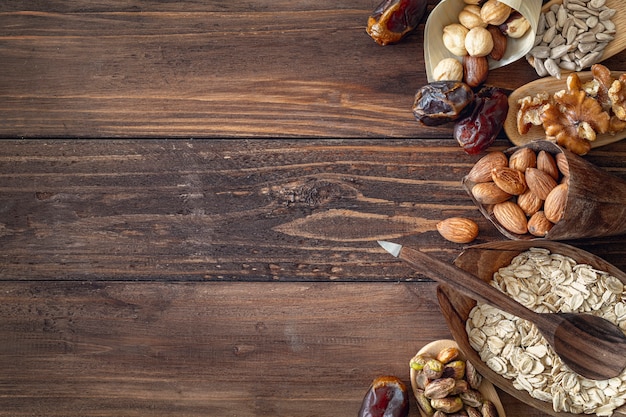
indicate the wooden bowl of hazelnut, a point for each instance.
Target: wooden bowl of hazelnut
{"x":464,"y":39}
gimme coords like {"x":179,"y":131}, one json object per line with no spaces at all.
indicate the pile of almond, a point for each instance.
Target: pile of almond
{"x":526,"y":192}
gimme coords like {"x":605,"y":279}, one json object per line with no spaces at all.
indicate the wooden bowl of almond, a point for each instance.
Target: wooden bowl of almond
{"x":540,"y":190}
{"x":545,"y":276}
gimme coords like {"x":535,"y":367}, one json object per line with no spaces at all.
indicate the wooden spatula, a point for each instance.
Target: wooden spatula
{"x":590,"y":345}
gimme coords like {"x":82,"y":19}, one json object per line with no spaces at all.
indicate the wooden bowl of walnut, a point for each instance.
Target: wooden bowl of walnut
{"x":545,"y":276}
{"x":588,"y":201}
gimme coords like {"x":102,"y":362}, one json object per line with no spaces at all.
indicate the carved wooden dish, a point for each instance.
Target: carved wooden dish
{"x":550,"y":85}
{"x":447,"y":12}
{"x":486,"y":388}
{"x":482,"y":261}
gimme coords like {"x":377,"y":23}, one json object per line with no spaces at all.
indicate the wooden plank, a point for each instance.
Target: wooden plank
{"x":236,"y":210}
{"x":198,"y":349}
{"x":209,"y":69}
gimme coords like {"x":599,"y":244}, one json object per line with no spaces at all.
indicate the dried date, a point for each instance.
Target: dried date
{"x":386,"y":397}
{"x":442,"y":102}
{"x":392,"y":20}
{"x":476,"y":132}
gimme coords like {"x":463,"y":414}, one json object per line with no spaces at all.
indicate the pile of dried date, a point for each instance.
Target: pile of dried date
{"x":477,"y":117}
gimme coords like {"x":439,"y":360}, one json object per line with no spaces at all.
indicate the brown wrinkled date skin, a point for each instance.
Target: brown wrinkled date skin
{"x":476,"y":132}
{"x":392,"y":20}
{"x":387,"y":397}
{"x":442,"y":102}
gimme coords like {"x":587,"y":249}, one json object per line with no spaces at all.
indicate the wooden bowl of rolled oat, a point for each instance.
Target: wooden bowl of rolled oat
{"x":545,"y":276}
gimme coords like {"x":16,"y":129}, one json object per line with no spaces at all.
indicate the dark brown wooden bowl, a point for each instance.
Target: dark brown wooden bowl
{"x":482,"y":261}
{"x":596,"y":200}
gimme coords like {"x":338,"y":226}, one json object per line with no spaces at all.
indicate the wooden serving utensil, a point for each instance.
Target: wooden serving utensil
{"x":590,"y":345}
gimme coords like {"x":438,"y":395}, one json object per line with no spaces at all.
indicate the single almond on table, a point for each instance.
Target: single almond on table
{"x":539,"y":182}
{"x":509,"y":180}
{"x":539,"y":225}
{"x":489,"y":193}
{"x":511,"y":217}
{"x":481,"y":171}
{"x":458,"y":229}
{"x":554,"y":206}
{"x":523,"y":158}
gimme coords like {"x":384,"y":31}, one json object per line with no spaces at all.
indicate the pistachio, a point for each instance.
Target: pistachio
{"x":472,"y":398}
{"x":454,"y":369}
{"x":448,"y":354}
{"x":489,"y":409}
{"x":417,"y":362}
{"x":424,"y":403}
{"x":433,"y":369}
{"x":439,"y":388}
{"x":448,"y":404}
{"x":473,"y":377}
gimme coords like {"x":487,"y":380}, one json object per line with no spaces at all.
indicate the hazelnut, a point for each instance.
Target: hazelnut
{"x":454,"y":38}
{"x":470,"y":17}
{"x":448,"y":69}
{"x":478,"y":42}
{"x":494,"y":12}
{"x":475,"y":70}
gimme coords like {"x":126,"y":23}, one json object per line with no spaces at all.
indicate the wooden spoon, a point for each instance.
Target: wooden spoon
{"x":549,"y":85}
{"x":590,"y":345}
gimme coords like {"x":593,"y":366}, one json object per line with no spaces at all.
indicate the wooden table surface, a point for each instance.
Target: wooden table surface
{"x":213,"y":252}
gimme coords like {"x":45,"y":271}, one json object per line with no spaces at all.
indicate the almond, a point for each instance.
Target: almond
{"x":539,"y":225}
{"x":489,"y":193}
{"x":509,"y":180}
{"x":458,"y":229}
{"x":562,"y":164}
{"x":547,"y":164}
{"x":554,"y":206}
{"x":475,"y":70}
{"x":523,"y":158}
{"x":481,"y":171}
{"x":539,"y":182}
{"x":511,"y":217}
{"x":499,"y":43}
{"x":529,"y":202}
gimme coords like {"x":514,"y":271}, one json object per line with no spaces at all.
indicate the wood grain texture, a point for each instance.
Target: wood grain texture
{"x":192,"y":349}
{"x":194,"y":69}
{"x":236,"y":210}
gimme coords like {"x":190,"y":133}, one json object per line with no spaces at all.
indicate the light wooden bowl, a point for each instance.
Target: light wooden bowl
{"x":482,"y":261}
{"x":486,"y":388}
{"x":447,"y":12}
